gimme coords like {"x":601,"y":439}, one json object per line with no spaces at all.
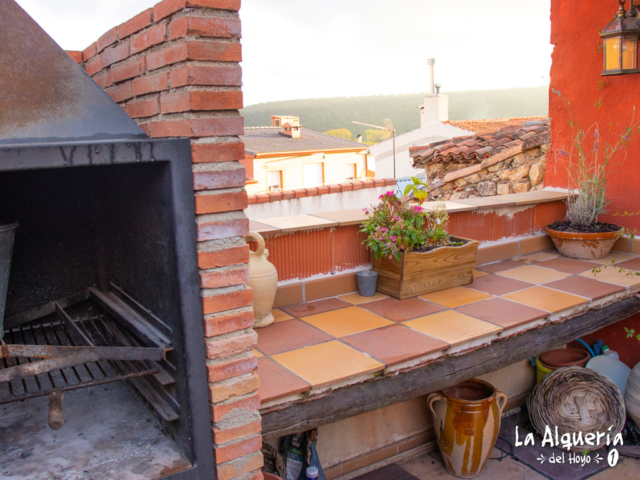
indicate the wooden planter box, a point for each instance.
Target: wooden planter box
{"x":419,"y":273}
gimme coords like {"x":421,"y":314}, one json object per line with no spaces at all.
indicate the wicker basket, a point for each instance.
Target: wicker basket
{"x":577,"y":399}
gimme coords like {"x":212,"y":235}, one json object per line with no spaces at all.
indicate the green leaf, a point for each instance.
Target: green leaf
{"x":407,"y":189}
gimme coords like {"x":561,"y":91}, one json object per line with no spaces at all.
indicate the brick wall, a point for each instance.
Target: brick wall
{"x":174,"y":69}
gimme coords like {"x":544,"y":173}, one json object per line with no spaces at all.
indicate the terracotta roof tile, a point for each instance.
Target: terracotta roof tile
{"x":475,"y":148}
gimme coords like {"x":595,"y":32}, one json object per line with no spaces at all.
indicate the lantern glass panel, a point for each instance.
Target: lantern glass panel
{"x":630,"y":53}
{"x":612,"y":54}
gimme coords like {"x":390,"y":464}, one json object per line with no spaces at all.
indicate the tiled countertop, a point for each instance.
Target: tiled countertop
{"x":356,"y":216}
{"x":326,"y":344}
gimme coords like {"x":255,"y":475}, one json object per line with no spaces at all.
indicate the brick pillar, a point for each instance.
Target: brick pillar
{"x":174,"y":69}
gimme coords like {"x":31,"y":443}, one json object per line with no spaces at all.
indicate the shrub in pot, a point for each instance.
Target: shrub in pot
{"x":589,"y":164}
{"x":412,"y":251}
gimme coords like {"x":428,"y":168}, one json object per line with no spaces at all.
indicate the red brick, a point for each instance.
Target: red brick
{"x":107,"y":39}
{"x":288,"y":195}
{"x":221,"y":27}
{"x":101,"y":79}
{"x":263,"y":198}
{"x":223,"y":258}
{"x":234,"y":368}
{"x":219,"y":392}
{"x":246,"y":405}
{"x":222,"y":229}
{"x":312,"y":191}
{"x":228,"y":435}
{"x":214,"y":51}
{"x":335,"y":188}
{"x":240,"y":466}
{"x":206,"y":75}
{"x":237,"y":450}
{"x":94,"y":65}
{"x":89,"y":52}
{"x":357,"y":185}
{"x":148,"y":38}
{"x":224,"y":278}
{"x":346,"y":186}
{"x":300,"y":192}
{"x":379,"y":182}
{"x":227,"y":323}
{"x":143,"y":108}
{"x":145,"y":127}
{"x":201,"y":101}
{"x":153,"y":83}
{"x":215,"y":180}
{"x":76,"y":55}
{"x":216,"y":152}
{"x":120,"y":73}
{"x":198,"y":127}
{"x":258,"y":475}
{"x":115,"y":54}
{"x":167,"y":7}
{"x":231,"y":346}
{"x":227,"y":301}
{"x":167,"y":55}
{"x":222,"y":202}
{"x":368,"y":183}
{"x":121,"y":92}
{"x":135,"y":24}
{"x":253,"y":199}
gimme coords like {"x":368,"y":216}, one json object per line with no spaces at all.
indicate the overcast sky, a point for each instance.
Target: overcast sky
{"x":330,"y":48}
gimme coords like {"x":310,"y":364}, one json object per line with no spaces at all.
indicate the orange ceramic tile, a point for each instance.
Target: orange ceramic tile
{"x":548,"y":194}
{"x":262,"y":228}
{"x":503,"y":251}
{"x":533,"y":274}
{"x":499,"y":266}
{"x":277,"y":382}
{"x":401,"y":310}
{"x":537,"y":244}
{"x":288,"y":335}
{"x":453,"y":327}
{"x":615,"y":276}
{"x":279,"y":315}
{"x":257,"y":352}
{"x":311,"y":308}
{"x":395,"y":344}
{"x":568,"y":265}
{"x":330,"y":286}
{"x":298,"y":222}
{"x":504,"y":313}
{"x":619,"y":257}
{"x":546,"y":299}
{"x":478,"y":273}
{"x":623,"y":244}
{"x":288,"y":295}
{"x":344,"y":217}
{"x":534,"y":257}
{"x":456,"y":296}
{"x":329,"y":362}
{"x":347,"y":321}
{"x":357,"y":299}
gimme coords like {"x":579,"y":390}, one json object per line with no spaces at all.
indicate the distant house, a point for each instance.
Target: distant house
{"x":288,"y":156}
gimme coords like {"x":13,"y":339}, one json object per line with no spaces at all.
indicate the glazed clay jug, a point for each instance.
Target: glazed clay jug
{"x":632,"y":394}
{"x":466,"y":420}
{"x":263,"y":280}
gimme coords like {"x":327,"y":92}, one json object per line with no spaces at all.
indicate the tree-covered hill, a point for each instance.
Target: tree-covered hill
{"x":322,"y":114}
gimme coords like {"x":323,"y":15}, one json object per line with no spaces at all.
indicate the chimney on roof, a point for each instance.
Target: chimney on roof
{"x":436,"y":106}
{"x":291,"y":128}
{"x":359,"y":138}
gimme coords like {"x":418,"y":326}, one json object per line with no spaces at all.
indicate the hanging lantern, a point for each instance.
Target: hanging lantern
{"x":621,"y":42}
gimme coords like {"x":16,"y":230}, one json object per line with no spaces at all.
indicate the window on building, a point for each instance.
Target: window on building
{"x":351,"y":171}
{"x":274,"y":180}
{"x":276,"y":122}
{"x":313,"y":175}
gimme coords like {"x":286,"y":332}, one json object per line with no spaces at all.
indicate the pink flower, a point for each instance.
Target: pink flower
{"x":393,"y":238}
{"x":396,"y":219}
{"x":365,"y":210}
{"x":417,"y":208}
{"x":383,"y":229}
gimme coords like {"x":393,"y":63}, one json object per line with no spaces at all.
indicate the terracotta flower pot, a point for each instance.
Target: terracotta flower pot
{"x":565,"y":357}
{"x":585,"y":246}
{"x":263,"y":280}
{"x":466,"y":420}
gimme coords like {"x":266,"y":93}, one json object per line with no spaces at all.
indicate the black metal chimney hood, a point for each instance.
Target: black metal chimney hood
{"x":45,"y":96}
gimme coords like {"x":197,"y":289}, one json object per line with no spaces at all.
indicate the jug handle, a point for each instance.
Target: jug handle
{"x":502,"y":400}
{"x":431,"y":399}
{"x":258,"y":239}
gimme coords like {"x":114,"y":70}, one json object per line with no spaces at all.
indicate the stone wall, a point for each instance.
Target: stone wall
{"x":516,"y":174}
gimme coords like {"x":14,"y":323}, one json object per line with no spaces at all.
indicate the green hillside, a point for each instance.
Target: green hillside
{"x":322,"y":114}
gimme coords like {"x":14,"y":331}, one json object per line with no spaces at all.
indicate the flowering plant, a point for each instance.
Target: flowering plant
{"x":394,"y":227}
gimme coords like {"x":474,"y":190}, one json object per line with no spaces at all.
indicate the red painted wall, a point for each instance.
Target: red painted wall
{"x":575,"y":72}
